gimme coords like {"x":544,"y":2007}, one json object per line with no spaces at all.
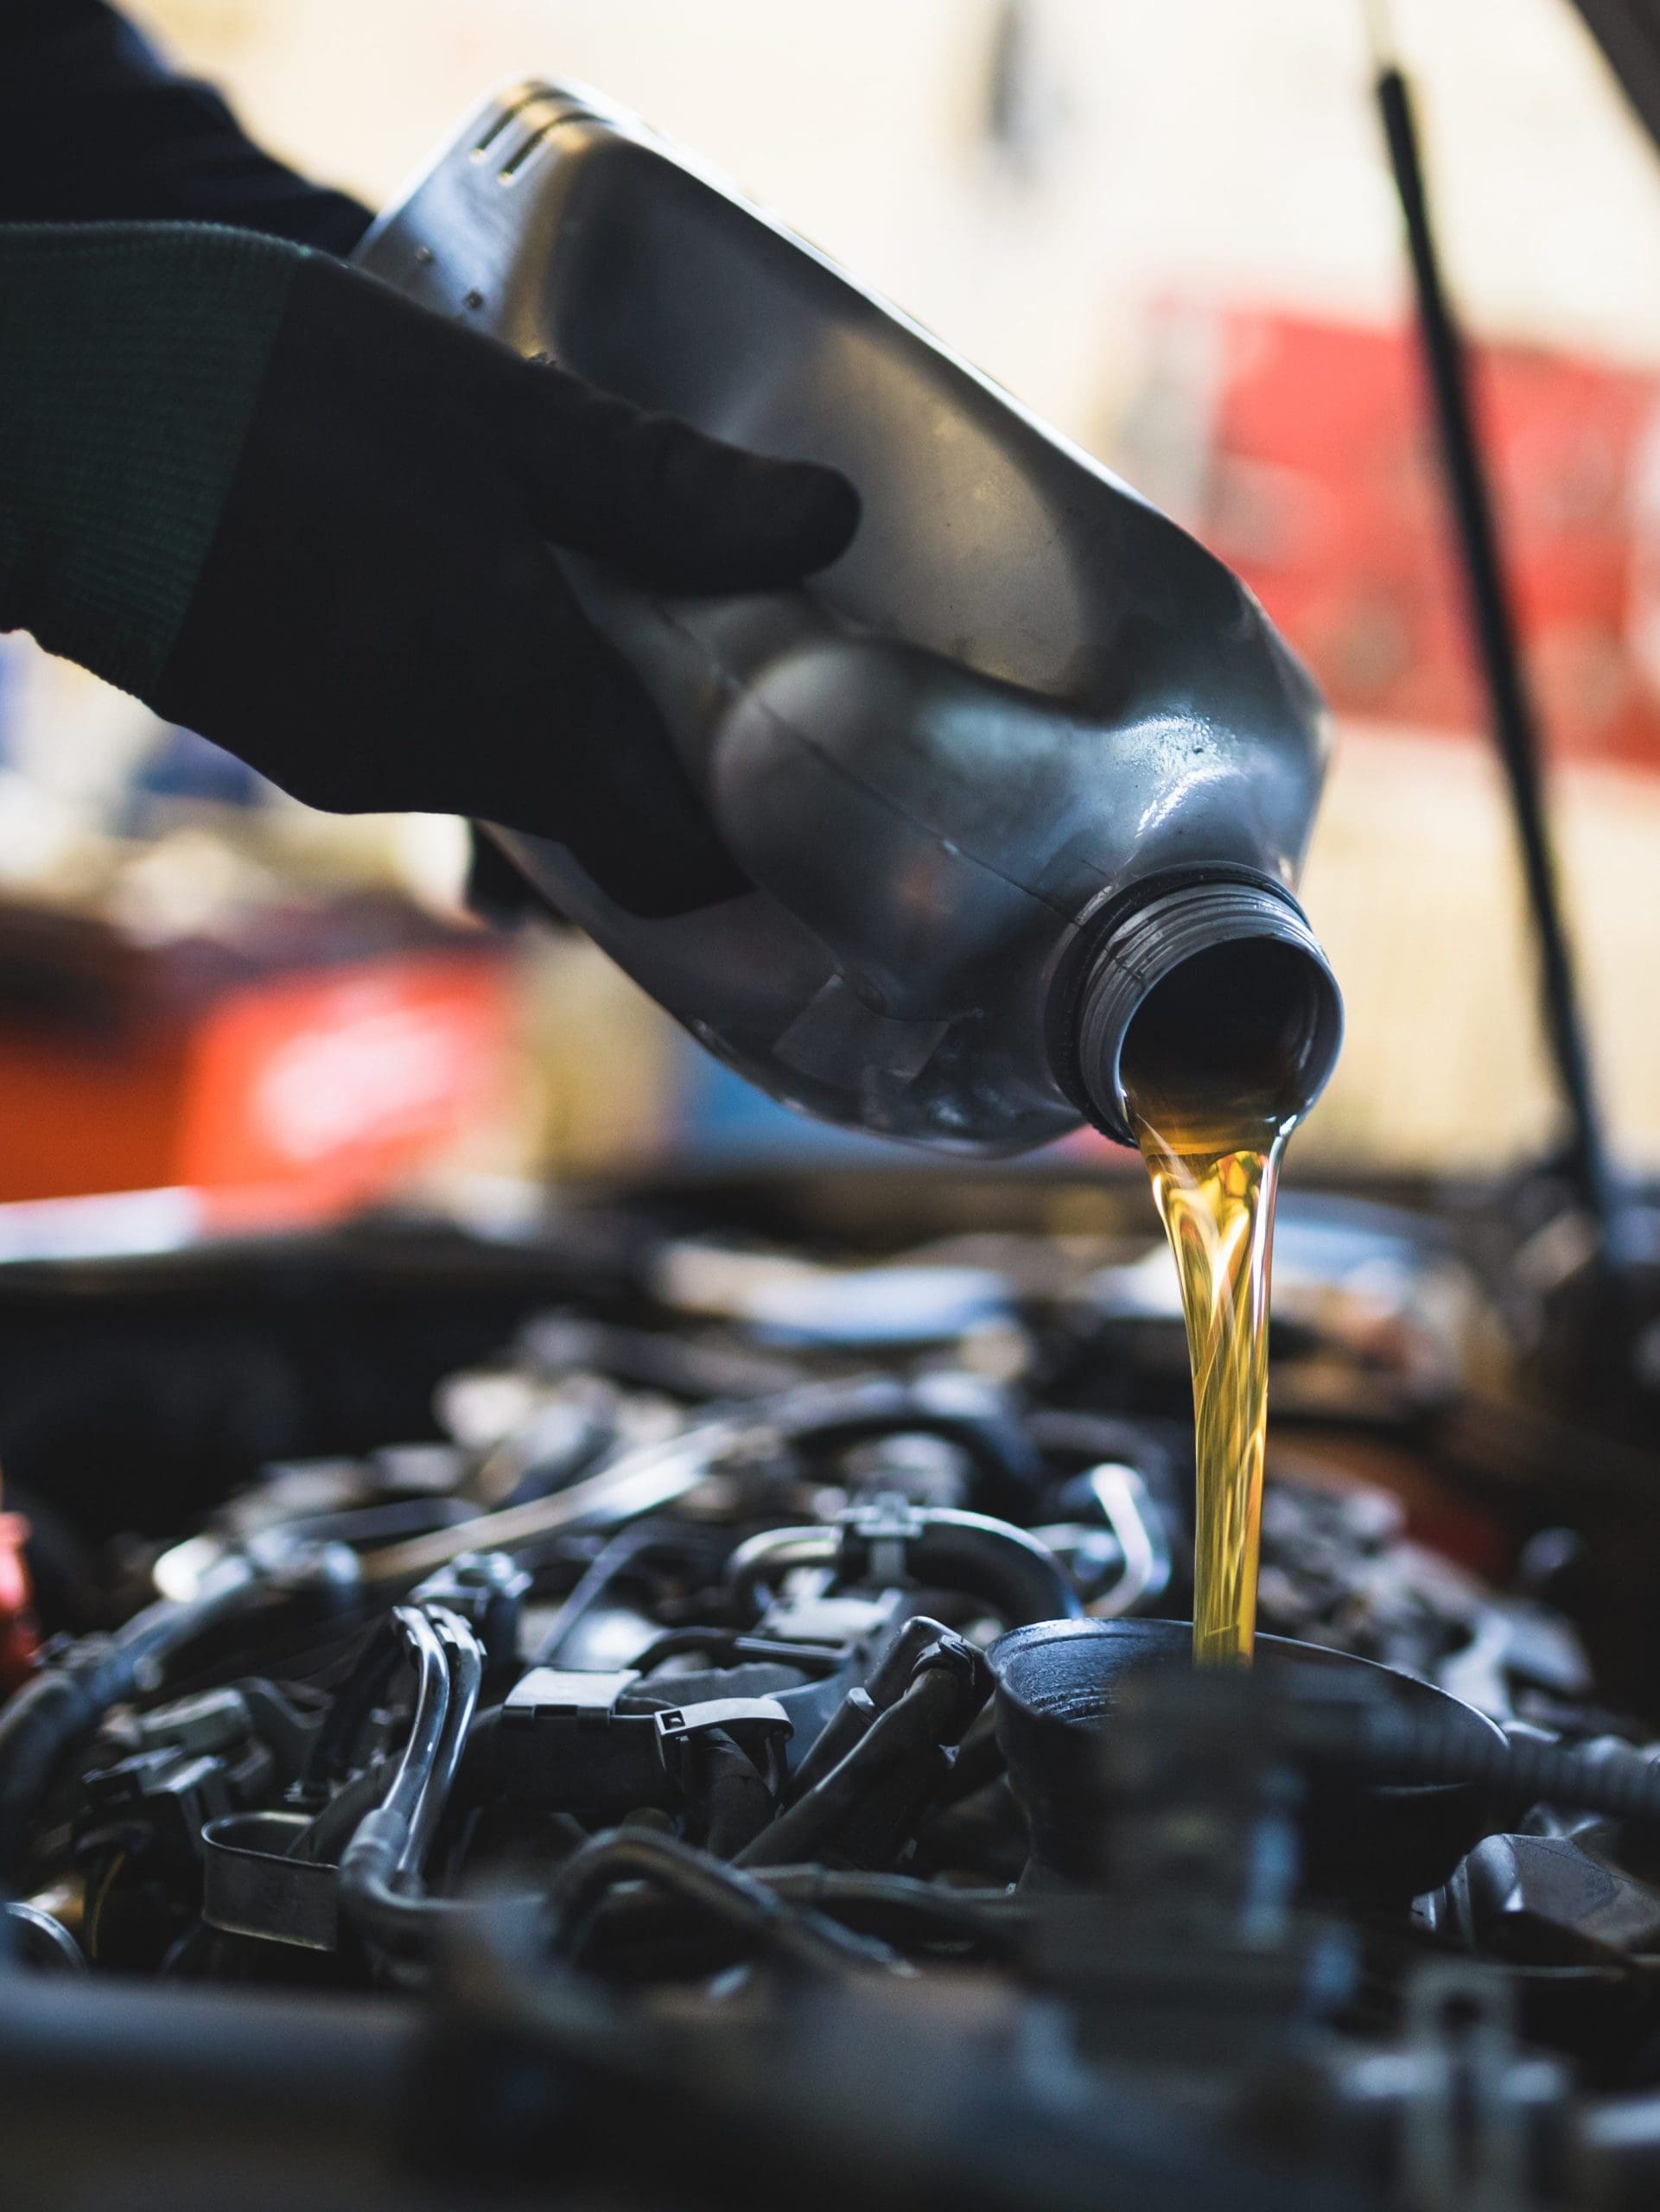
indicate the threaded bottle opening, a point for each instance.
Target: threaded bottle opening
{"x":1217,"y":1001}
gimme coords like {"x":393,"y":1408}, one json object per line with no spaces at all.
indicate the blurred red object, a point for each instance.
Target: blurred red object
{"x":291,"y":1078}
{"x":325,"y":1088}
{"x":19,"y":1638}
{"x":1315,"y":477}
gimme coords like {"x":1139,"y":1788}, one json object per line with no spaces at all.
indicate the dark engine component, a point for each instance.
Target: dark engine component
{"x":764,"y":1704}
{"x":1357,"y":1839}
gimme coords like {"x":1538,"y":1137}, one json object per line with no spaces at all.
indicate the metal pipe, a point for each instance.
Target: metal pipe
{"x":409,"y":1783}
{"x":637,"y":1483}
{"x":465,"y":1654}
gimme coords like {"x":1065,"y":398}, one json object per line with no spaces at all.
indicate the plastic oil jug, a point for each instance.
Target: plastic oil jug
{"x":1026,"y":763}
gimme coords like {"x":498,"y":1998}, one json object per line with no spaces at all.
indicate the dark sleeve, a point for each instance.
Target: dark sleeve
{"x":94,"y":127}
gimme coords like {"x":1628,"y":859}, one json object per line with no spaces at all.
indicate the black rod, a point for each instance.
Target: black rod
{"x":1493,"y":624}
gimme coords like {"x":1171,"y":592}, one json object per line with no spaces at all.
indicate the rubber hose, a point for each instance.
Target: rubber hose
{"x":1402,"y":1747}
{"x":805,"y":1938}
{"x":66,"y":1701}
{"x":895,"y":1742}
{"x":1020,"y":1579}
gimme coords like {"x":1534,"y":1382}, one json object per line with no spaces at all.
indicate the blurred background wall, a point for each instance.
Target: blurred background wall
{"x":1168,"y":227}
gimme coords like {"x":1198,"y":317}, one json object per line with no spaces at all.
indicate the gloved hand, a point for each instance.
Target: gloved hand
{"x":375,"y":616}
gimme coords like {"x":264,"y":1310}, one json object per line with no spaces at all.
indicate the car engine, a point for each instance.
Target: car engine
{"x":720,"y":1750}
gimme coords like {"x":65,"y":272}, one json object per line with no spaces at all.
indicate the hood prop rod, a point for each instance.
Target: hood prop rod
{"x":1491,"y":620}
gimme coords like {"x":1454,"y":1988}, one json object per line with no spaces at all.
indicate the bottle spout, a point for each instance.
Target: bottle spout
{"x":1212,"y":1001}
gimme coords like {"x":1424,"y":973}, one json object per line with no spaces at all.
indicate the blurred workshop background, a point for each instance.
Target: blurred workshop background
{"x":1168,"y":227}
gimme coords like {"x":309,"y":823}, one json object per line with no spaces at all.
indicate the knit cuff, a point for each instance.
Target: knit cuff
{"x":131,"y":358}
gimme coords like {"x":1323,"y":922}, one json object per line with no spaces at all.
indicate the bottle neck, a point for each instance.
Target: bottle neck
{"x":1212,"y":994}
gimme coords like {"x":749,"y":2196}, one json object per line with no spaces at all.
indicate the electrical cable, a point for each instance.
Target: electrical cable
{"x":614,"y":1557}
{"x":64,"y":1702}
{"x":803,"y":1938}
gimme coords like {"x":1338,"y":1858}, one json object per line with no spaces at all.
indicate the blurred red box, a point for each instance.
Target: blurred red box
{"x":1316,"y":479}
{"x":288,"y":1080}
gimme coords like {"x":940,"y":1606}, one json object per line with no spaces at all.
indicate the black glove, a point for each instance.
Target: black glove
{"x":381,"y":621}
{"x":150,"y":144}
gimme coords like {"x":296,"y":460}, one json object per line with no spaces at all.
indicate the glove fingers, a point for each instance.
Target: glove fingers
{"x":680,"y":510}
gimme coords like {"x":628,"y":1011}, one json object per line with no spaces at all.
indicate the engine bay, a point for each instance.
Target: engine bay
{"x":730,"y":1746}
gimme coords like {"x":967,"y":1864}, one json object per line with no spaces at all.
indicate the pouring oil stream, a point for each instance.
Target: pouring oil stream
{"x":1213,"y":1075}
{"x":1217,"y":1204}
